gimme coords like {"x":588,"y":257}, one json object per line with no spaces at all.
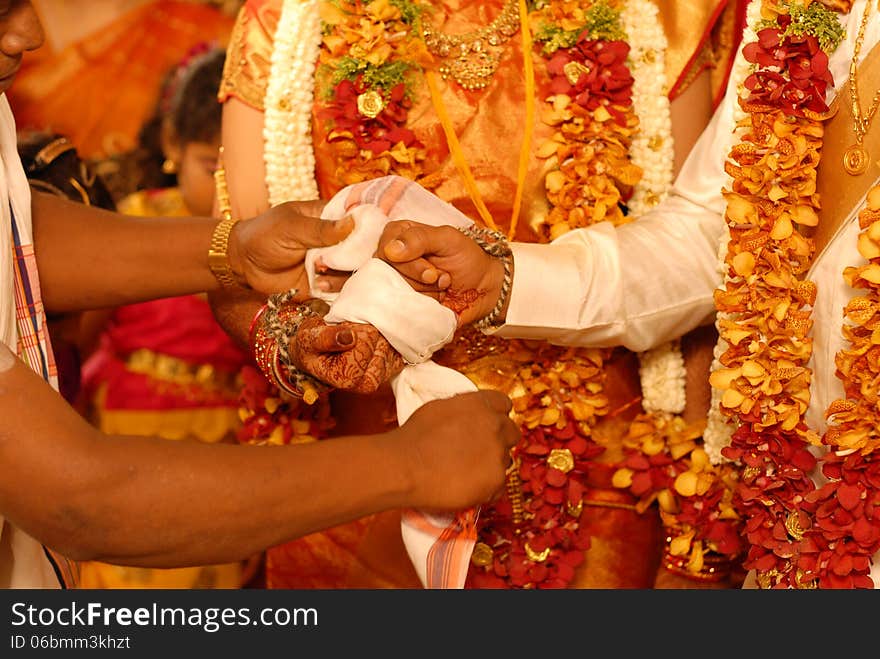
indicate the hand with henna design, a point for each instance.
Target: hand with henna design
{"x":350,"y":356}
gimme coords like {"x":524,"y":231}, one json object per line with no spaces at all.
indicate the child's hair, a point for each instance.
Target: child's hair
{"x":52,"y":164}
{"x":189,"y":101}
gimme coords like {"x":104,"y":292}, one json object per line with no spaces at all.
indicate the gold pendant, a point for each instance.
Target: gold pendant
{"x":471,"y":71}
{"x":855,"y":160}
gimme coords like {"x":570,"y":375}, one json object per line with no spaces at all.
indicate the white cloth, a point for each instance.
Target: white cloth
{"x":663,"y":285}
{"x":23,"y":562}
{"x":414,"y":324}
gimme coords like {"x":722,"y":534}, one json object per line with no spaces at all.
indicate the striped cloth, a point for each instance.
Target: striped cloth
{"x":23,"y":330}
{"x":416,"y":326}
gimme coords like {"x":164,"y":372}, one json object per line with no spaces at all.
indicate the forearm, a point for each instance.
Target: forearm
{"x":636,"y":286}
{"x":234,"y":310}
{"x":90,"y":258}
{"x":148,"y":507}
{"x":646,"y":282}
{"x":242,"y":133}
{"x":152,"y":502}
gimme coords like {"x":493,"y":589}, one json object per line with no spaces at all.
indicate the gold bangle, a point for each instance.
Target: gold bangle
{"x":218,"y":259}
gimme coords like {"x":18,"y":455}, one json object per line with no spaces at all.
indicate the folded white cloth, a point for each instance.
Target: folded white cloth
{"x":416,"y":326}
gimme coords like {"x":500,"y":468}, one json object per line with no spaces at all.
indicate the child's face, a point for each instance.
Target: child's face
{"x":195,"y":176}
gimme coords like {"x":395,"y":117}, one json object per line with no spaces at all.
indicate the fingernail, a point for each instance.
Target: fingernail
{"x":444,"y":281}
{"x":345,"y":338}
{"x":429,"y":276}
{"x":322,"y":285}
{"x":395,"y":247}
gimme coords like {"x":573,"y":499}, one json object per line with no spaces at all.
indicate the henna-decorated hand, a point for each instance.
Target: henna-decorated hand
{"x":350,"y":356}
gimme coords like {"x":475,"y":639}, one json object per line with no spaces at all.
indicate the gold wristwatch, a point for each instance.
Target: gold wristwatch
{"x":218,"y":259}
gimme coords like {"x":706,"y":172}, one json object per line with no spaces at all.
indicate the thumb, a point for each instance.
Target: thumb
{"x":421,"y":240}
{"x":315,"y":232}
{"x":326,"y":338}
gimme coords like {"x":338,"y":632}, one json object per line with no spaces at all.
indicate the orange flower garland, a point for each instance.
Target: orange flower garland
{"x":800,"y":536}
{"x":592,"y":111}
{"x":367,"y":60}
{"x":666,"y":464}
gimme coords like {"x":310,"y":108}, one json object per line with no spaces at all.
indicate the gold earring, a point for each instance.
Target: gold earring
{"x":169,"y":167}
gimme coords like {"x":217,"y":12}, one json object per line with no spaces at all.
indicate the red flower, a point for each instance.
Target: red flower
{"x":378,"y":134}
{"x":604,"y":77}
{"x":793,"y":71}
{"x":550,"y":495}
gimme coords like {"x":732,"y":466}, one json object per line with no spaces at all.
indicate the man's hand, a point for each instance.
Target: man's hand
{"x":268,"y":251}
{"x":350,"y":356}
{"x":445,"y":264}
{"x":459,"y":449}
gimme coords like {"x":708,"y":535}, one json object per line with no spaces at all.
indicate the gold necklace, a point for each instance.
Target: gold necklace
{"x":472,"y":58}
{"x":856,"y":157}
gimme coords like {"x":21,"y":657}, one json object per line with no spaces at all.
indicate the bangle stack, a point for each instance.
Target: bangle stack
{"x":494,"y":243}
{"x":272,"y":329}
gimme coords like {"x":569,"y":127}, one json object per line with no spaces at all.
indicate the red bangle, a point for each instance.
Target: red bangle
{"x":252,"y":330}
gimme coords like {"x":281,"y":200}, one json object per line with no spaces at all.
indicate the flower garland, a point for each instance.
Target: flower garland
{"x":287,"y":129}
{"x":847,"y":508}
{"x":764,"y":376}
{"x":799,"y":536}
{"x":591,"y":109}
{"x":536,"y":536}
{"x":370,"y":54}
{"x":667,"y":463}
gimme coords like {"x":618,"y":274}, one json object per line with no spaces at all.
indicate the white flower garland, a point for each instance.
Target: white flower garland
{"x":662,"y":374}
{"x":662,"y":370}
{"x":652,"y":146}
{"x":719,"y":430}
{"x":288,"y":152}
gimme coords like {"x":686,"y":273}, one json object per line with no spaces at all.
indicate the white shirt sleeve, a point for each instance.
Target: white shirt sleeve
{"x":639,"y":284}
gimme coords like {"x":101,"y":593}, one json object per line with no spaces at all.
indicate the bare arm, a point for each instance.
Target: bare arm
{"x":690,"y":113}
{"x":242,"y":133}
{"x":91,"y":258}
{"x":150,"y":502}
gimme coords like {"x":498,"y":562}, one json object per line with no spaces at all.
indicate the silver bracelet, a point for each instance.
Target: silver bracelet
{"x":494,"y":243}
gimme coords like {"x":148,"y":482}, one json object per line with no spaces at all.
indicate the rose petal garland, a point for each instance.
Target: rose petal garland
{"x":764,"y":374}
{"x":800,"y":536}
{"x":591,"y":107}
{"x":847,"y":508}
